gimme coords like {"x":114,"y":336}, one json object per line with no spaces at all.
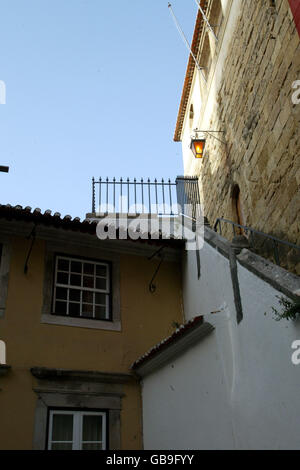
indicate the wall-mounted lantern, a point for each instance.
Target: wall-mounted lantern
{"x":197,"y":147}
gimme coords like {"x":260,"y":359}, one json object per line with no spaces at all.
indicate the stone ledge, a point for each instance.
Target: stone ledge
{"x":278,"y":277}
{"x":282,"y":280}
{"x":82,"y":375}
{"x":217,"y":241}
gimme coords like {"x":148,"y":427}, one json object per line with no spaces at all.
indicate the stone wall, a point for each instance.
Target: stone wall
{"x":252,"y":103}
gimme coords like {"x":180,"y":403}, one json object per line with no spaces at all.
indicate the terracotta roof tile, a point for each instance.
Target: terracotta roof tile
{"x":27,"y":214}
{"x":181,"y":331}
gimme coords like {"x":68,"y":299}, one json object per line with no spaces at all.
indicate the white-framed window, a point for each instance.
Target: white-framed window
{"x":82,"y":288}
{"x":76,"y":430}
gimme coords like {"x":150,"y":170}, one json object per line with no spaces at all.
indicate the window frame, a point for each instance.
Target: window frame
{"x":81,"y":289}
{"x":77,"y":414}
{"x":88,"y":252}
{"x":78,"y":390}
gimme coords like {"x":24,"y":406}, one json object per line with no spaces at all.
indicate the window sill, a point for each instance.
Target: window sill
{"x":81,"y":322}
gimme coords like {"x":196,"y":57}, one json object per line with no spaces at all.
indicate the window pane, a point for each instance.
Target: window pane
{"x":100,"y":283}
{"x":88,"y":281}
{"x":92,"y":428}
{"x":87,"y":297}
{"x":62,"y":427}
{"x":89,"y":268}
{"x":61,"y":446}
{"x":75,"y":280}
{"x":101,"y":270}
{"x":61,"y":293}
{"x":92,"y":446}
{"x":63,"y":265}
{"x":74,"y":309}
{"x":100,"y":299}
{"x":61,"y":307}
{"x":87,"y":310}
{"x":76,"y":266}
{"x":81,"y":289}
{"x":62,"y":278}
{"x":74,"y":295}
{"x":100,"y":313}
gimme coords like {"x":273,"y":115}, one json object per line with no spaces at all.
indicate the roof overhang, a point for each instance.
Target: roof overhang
{"x":182,"y":339}
{"x":19,"y":221}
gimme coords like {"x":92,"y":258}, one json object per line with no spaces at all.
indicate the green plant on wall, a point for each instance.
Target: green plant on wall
{"x":290,"y":309}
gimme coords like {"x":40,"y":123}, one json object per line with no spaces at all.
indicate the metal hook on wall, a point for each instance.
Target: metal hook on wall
{"x":32,"y":235}
{"x":152,"y":286}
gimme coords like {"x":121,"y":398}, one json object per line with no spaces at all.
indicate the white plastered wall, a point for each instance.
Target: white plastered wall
{"x":237,"y":388}
{"x":203,"y":95}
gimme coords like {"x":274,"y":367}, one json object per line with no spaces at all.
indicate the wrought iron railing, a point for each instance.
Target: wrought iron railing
{"x":264,"y":244}
{"x":146,"y":197}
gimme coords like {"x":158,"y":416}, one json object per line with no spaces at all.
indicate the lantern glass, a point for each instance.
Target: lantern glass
{"x":197,"y":147}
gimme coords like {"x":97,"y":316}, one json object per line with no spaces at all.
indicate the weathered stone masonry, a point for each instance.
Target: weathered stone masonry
{"x":253,"y":105}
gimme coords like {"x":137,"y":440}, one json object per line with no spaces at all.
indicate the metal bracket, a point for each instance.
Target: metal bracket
{"x":152,"y":286}
{"x":32,"y":235}
{"x":211,"y":134}
{"x":209,"y":26}
{"x":4,"y":169}
{"x":199,"y":68}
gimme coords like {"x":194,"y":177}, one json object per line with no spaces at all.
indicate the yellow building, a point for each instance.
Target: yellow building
{"x":75,"y":313}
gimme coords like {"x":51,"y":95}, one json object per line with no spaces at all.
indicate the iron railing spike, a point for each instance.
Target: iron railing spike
{"x":186,"y":188}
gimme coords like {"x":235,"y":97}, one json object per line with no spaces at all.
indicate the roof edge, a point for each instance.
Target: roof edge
{"x":173,"y":346}
{"x":189,"y":73}
{"x":86,"y":226}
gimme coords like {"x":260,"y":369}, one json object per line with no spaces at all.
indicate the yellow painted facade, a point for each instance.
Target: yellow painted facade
{"x":145,"y":320}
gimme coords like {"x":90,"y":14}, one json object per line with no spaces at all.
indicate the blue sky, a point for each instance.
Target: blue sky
{"x":93,"y":89}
